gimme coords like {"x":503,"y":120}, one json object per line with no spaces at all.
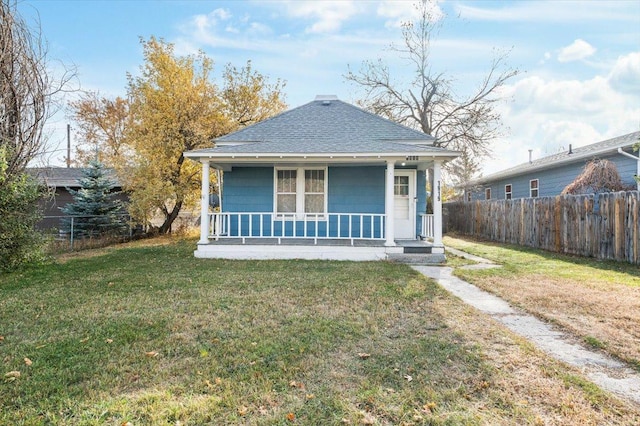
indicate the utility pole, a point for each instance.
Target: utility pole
{"x":68,"y":146}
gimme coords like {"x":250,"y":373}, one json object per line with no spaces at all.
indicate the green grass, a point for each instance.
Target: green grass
{"x":150,"y":335}
{"x":524,"y":260}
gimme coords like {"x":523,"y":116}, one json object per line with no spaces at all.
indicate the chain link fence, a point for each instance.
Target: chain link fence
{"x":64,"y":232}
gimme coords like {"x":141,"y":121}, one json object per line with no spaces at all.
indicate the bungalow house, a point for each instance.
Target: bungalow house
{"x":548,"y":176}
{"x":326,"y":180}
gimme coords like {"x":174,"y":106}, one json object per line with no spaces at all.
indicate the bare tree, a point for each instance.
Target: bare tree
{"x":429,"y":103}
{"x":26,"y":90}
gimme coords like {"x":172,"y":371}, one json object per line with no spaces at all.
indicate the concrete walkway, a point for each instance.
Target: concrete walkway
{"x":608,"y":373}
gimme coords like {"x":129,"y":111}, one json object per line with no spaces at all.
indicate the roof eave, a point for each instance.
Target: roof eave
{"x":532,"y":167}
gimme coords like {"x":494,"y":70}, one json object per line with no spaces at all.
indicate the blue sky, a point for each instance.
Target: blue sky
{"x":580,"y":60}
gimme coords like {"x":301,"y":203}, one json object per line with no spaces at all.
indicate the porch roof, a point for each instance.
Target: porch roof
{"x":323,"y":128}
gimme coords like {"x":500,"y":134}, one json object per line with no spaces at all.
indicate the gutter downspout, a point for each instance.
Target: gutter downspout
{"x":626,"y":154}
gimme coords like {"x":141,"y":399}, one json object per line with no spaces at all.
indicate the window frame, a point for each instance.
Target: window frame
{"x":508,"y":195}
{"x":536,"y":189}
{"x":299,"y":213}
{"x":487,"y":193}
{"x":469,"y":196}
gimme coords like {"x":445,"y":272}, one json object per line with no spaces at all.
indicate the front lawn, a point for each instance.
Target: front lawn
{"x":145,"y":334}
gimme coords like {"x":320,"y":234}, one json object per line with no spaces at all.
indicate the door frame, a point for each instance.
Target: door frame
{"x":411,"y":173}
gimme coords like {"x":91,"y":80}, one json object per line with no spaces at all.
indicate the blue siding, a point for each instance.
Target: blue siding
{"x":552,"y":181}
{"x":248,"y":189}
{"x":356,"y":190}
{"x":350,"y":190}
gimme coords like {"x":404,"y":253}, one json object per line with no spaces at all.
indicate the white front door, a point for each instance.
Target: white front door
{"x":404,"y":192}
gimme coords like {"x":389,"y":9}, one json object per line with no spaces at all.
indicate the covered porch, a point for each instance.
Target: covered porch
{"x":404,"y":251}
{"x":335,"y":236}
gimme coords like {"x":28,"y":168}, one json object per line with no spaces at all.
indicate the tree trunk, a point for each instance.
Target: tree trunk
{"x":165,"y":228}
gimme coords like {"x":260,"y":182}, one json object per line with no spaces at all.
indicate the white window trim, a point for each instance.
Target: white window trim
{"x":299,"y":214}
{"x":510,"y":193}
{"x":537,"y":188}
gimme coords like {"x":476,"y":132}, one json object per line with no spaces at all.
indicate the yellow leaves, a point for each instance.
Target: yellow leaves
{"x":151,"y":354}
{"x":291,"y":417}
{"x":242,"y":410}
{"x":27,"y":362}
{"x":363,"y":355}
{"x":1,"y":339}
{"x":368,"y":419}
{"x":295,"y":384}
{"x":11,"y":376}
{"x":429,"y":407}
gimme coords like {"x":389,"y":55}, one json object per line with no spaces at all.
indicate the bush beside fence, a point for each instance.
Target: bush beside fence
{"x":603,"y":226}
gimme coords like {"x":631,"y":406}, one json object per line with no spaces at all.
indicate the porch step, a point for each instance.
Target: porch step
{"x":418,"y":258}
{"x":418,"y":249}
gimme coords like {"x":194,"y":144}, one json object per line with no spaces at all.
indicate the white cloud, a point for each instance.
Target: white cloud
{"x":625,"y":75}
{"x":576,"y":51}
{"x":546,"y":115}
{"x":398,"y":12}
{"x":328,"y":15}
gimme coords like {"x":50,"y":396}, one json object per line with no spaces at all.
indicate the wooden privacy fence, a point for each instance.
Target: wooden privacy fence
{"x":603,"y":226}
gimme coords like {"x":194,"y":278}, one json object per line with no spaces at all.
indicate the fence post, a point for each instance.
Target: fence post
{"x":71,"y":233}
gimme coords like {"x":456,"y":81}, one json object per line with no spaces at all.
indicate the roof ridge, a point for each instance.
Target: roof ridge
{"x":387,"y":119}
{"x":556,"y":157}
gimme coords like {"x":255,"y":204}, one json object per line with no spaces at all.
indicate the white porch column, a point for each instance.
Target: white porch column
{"x":389,"y":205}
{"x":438,"y":247}
{"x":204,"y":204}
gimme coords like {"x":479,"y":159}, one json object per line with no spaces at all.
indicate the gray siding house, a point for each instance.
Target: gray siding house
{"x":548,"y":176}
{"x":59,"y":180}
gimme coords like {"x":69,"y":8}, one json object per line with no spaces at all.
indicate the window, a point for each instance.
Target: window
{"x":468,"y":195}
{"x":507,"y":191}
{"x":300,"y":191}
{"x":487,"y":194}
{"x":401,"y":185}
{"x":533,"y":188}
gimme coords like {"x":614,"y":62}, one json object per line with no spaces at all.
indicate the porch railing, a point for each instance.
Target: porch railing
{"x":427,"y":226}
{"x":345,"y":226}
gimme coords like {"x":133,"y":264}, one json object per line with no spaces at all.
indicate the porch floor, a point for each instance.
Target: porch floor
{"x":405,"y":251}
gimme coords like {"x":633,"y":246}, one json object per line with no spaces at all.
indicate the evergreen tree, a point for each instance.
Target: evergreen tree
{"x":94,"y":208}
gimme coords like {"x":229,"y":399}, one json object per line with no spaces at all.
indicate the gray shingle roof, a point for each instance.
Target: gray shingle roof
{"x":325,"y":126}
{"x":62,"y":177}
{"x":577,"y":154}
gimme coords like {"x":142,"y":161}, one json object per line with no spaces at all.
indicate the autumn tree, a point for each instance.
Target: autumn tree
{"x":249,"y":97}
{"x":175,"y":107}
{"x":429,"y":101}
{"x":99,"y":127}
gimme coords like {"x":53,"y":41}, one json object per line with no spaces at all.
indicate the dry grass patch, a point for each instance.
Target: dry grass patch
{"x":597,"y":301}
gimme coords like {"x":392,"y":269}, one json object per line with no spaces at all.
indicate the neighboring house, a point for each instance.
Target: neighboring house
{"x":59,"y":180}
{"x":548,"y":176}
{"x":326,"y":180}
